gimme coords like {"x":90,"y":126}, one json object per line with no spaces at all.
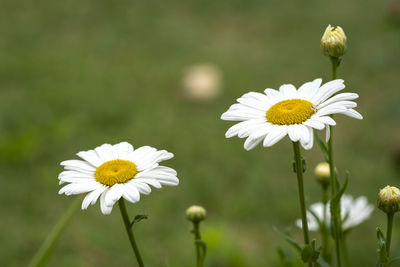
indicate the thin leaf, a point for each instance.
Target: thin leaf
{"x":138,"y":218}
{"x":394,"y":260}
{"x":323,"y":147}
{"x":335,"y":205}
{"x":291,"y":241}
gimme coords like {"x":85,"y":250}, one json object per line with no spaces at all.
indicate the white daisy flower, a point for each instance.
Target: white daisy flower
{"x":271,"y":116}
{"x":114,"y":171}
{"x":353,"y":212}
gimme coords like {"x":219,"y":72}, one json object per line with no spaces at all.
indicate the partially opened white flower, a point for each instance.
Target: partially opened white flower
{"x":114,"y":171}
{"x":271,"y":116}
{"x":353,"y":212}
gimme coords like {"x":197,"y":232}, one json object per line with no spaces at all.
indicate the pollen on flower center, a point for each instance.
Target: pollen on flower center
{"x":292,"y":111}
{"x":116,"y":171}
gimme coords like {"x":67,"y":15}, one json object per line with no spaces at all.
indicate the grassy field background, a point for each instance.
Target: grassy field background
{"x":77,"y":74}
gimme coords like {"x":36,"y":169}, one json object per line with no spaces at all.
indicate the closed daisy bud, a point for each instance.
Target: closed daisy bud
{"x":389,"y":199}
{"x":322,"y":173}
{"x":195,"y":214}
{"x":334,"y":42}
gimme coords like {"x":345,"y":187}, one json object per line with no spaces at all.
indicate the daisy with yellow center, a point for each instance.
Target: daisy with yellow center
{"x":289,"y":111}
{"x":114,"y":171}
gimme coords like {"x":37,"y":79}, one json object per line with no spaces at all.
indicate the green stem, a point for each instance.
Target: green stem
{"x":299,"y":172}
{"x":389,"y":232}
{"x":345,"y":251}
{"x":49,"y":243}
{"x":324,"y":230}
{"x":129,"y":231}
{"x":336,"y":222}
{"x":335,"y":65}
{"x":197,"y":237}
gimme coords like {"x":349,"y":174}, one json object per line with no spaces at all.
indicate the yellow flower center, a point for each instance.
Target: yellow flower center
{"x":116,"y":171}
{"x":292,"y":111}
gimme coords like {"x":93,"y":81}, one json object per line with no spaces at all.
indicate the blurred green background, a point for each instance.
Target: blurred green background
{"x":77,"y":74}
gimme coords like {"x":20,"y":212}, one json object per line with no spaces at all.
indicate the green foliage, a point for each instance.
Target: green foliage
{"x":322,"y":146}
{"x":138,"y":218}
{"x":76,"y":74}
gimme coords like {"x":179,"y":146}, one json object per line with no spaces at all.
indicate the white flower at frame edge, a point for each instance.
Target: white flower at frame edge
{"x":353,"y":212}
{"x":114,"y":171}
{"x":271,"y":116}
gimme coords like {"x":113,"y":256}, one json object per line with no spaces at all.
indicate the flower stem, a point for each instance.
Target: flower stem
{"x":389,"y":232}
{"x":336,"y":222}
{"x":324,"y":229}
{"x":129,"y":231}
{"x":299,"y":172}
{"x":197,"y":237}
{"x":46,"y":248}
{"x":345,"y":251}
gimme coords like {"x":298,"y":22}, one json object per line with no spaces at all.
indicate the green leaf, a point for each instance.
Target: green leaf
{"x":202,"y":245}
{"x":138,"y":218}
{"x":335,"y":201}
{"x":382,"y":253}
{"x":323,"y":147}
{"x":303,"y":165}
{"x":321,"y":224}
{"x":309,"y":253}
{"x":335,"y":204}
{"x":291,"y":241}
{"x":394,"y":260}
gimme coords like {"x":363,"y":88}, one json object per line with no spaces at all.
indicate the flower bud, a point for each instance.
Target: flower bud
{"x":195,"y":214}
{"x":334,"y":42}
{"x":322,"y":173}
{"x":389,"y":199}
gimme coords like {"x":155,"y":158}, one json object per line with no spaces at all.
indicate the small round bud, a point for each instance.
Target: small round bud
{"x":334,"y":42}
{"x":195,"y":214}
{"x":322,"y":173}
{"x":389,"y":199}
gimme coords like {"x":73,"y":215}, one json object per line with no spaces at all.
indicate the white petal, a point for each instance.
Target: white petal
{"x":143,"y":188}
{"x":105,"y":152}
{"x":91,"y":157}
{"x":327,"y":134}
{"x":239,"y":112}
{"x":326,"y":120}
{"x":309,"y":144}
{"x":79,"y":188}
{"x":352,"y":113}
{"x":113,"y":194}
{"x":329,"y":110}
{"x":339,"y":97}
{"x":314,"y":124}
{"x":251,"y":142}
{"x":122,"y":150}
{"x":327,"y":90}
{"x":161,"y":174}
{"x":255,"y":100}
{"x":273,"y":95}
{"x":275,"y":135}
{"x":78,"y":165}
{"x":294,"y":132}
{"x":92,"y":197}
{"x":234,"y":130}
{"x":148,"y":157}
{"x":309,"y":89}
{"x":104,"y":208}
{"x":288,"y":91}
{"x":304,"y":134}
{"x":76,"y":174}
{"x":131,"y":193}
{"x":150,"y":181}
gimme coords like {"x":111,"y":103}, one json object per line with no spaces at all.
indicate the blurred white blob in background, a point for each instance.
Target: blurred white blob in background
{"x":202,"y":82}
